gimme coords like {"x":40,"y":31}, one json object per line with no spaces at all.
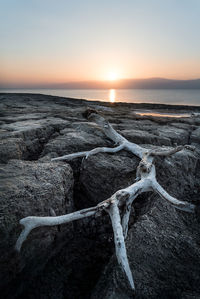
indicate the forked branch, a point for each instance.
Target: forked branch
{"x":145,"y":181}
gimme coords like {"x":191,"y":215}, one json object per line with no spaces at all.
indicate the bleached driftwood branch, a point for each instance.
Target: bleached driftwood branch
{"x":145,"y":181}
{"x":86,"y":154}
{"x":110,"y":132}
{"x":120,"y":247}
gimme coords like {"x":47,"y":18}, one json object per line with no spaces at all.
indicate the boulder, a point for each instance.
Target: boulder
{"x":30,"y":188}
{"x":102,"y":175}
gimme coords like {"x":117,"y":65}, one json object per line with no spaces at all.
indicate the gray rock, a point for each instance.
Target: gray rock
{"x":164,"y":255}
{"x":79,"y":137}
{"x":195,"y":136}
{"x":163,"y":244}
{"x":176,"y":135}
{"x":12,"y":148}
{"x":144,"y":137}
{"x":28,"y":136}
{"x":30,"y":188}
{"x":103,"y":174}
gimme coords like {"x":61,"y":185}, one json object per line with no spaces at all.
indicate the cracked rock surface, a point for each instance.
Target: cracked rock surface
{"x":76,"y":260}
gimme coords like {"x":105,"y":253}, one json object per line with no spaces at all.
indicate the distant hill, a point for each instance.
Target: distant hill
{"x":161,"y":83}
{"x":150,"y":83}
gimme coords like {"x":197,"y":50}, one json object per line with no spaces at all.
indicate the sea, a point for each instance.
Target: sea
{"x":162,"y":96}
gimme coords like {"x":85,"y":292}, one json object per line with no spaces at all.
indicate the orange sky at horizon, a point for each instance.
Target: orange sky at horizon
{"x":45,"y":43}
{"x":45,"y":73}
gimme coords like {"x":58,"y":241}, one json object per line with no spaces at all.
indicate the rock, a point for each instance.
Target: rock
{"x":179,"y":173}
{"x":29,"y":137}
{"x":181,"y":125}
{"x":162,"y":242}
{"x":12,"y":148}
{"x":164,"y":256}
{"x":176,"y":173}
{"x":149,"y":132}
{"x":30,"y":188}
{"x":195,"y":136}
{"x":144,"y":137}
{"x":176,"y":135}
{"x":79,"y":137}
{"x":102,"y":175}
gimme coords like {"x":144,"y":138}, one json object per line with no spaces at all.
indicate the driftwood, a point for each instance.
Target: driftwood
{"x":145,"y":181}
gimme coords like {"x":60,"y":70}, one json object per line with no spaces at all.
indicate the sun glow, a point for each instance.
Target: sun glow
{"x":112,"y":95}
{"x":112,"y":76}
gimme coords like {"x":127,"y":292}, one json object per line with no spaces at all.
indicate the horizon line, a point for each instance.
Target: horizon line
{"x":105,"y":80}
{"x":128,"y":83}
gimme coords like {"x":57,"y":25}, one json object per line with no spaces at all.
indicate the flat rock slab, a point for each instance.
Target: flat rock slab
{"x":77,"y":137}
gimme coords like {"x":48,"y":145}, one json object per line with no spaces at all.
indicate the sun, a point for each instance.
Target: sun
{"x":112,"y":76}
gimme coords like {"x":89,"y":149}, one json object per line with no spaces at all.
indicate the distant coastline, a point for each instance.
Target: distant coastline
{"x":149,"y":83}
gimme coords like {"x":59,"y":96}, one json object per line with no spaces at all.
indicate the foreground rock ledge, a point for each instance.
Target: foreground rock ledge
{"x":30,"y":187}
{"x":173,"y":242}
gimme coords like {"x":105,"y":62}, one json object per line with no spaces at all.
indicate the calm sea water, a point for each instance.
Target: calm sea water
{"x":164,"y":96}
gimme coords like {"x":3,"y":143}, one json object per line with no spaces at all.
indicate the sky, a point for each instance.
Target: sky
{"x":49,"y":41}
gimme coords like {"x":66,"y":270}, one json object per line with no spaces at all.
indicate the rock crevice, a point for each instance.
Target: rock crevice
{"x":163,"y":244}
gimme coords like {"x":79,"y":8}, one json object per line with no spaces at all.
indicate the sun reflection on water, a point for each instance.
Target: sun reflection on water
{"x":112,"y":95}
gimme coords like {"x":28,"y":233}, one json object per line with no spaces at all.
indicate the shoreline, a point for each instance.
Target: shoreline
{"x":142,"y":105}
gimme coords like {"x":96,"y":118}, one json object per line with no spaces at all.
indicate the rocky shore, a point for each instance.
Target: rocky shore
{"x":77,"y":260}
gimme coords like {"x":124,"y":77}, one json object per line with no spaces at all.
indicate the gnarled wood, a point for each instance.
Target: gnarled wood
{"x":145,"y":181}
